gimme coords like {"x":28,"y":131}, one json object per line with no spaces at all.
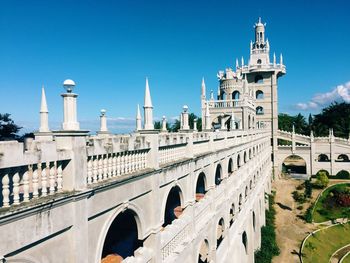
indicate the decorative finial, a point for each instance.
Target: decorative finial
{"x":203,"y":88}
{"x":69,"y":85}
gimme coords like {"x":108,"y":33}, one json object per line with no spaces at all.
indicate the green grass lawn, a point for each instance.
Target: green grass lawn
{"x":320,"y":247}
{"x":320,"y":214}
{"x":347,"y":259}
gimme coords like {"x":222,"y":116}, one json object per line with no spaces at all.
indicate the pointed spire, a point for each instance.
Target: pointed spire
{"x":203,"y":88}
{"x":274,"y":58}
{"x":138,"y":119}
{"x":281,"y":59}
{"x":237,"y":65}
{"x":44,"y":113}
{"x":267,"y":44}
{"x":148,"y":101}
{"x":251,"y":45}
{"x":242,"y":60}
{"x":43,"y":106}
{"x":211,"y":95}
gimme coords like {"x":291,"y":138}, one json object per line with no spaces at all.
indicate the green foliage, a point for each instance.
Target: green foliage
{"x":308,"y":214}
{"x":8,"y":129}
{"x":308,"y":188}
{"x":322,"y":179}
{"x":336,"y":116}
{"x":269,"y":247}
{"x":286,"y":122}
{"x":299,"y":197}
{"x":191,"y":117}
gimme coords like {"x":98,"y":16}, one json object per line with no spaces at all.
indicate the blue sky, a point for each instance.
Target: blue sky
{"x":109,"y":47}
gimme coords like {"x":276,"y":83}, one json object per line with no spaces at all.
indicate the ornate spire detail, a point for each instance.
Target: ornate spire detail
{"x":138,"y":119}
{"x":148,"y":101}
{"x":44,"y":118}
{"x":203,"y":90}
{"x":148,"y":109}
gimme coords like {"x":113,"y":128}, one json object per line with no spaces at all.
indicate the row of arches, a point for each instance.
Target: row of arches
{"x":122,"y":237}
{"x":340,"y":158}
{"x":259,"y":95}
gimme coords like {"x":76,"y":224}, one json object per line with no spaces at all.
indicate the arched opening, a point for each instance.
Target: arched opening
{"x":173,"y":207}
{"x":294,"y":164}
{"x":200,"y":186}
{"x":232,"y":214}
{"x":203,"y":256}
{"x":249,"y":122}
{"x":258,"y":61}
{"x":245,"y":241}
{"x":323,"y":158}
{"x":342,"y":158}
{"x":218,"y":175}
{"x":254,"y":220}
{"x":220,"y":232}
{"x":250,"y":154}
{"x":259,"y":110}
{"x":122,"y":238}
{"x":230,"y":166}
{"x":238,"y":160}
{"x":240,"y":202}
{"x":250,"y":184}
{"x":245,"y":157}
{"x":236,"y":95}
{"x":246,"y":193}
{"x":259,"y":94}
{"x":259,"y":79}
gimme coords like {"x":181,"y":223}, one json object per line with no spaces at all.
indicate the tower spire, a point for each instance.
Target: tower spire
{"x":138,"y":119}
{"x":203,"y":88}
{"x":44,"y":113}
{"x":148,"y":109}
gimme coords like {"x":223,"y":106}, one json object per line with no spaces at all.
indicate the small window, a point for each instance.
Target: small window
{"x":259,"y":110}
{"x":259,"y":94}
{"x":258,"y":79}
{"x":259,"y":61}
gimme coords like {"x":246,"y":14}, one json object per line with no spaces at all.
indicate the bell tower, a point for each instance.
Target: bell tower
{"x":260,"y":49}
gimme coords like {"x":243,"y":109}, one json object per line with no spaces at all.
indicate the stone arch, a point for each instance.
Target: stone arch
{"x":249,"y":122}
{"x":245,"y":241}
{"x":245,"y":157}
{"x":238,"y":160}
{"x":259,"y":110}
{"x":246,"y":193}
{"x":201,"y":186}
{"x":259,"y":95}
{"x":240,"y":202}
{"x":122,"y":237}
{"x":232,"y":213}
{"x":250,"y":154}
{"x":236,"y":95}
{"x":343,"y":174}
{"x":230,"y":166}
{"x":218,"y":174}
{"x":250,"y":184}
{"x":342,"y":158}
{"x":323,"y":158}
{"x":203,"y":252}
{"x":172,"y":207}
{"x":294,"y":164}
{"x":220,"y":232}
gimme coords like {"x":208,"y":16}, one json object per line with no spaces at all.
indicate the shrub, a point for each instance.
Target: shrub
{"x":308,"y":214}
{"x":300,"y":187}
{"x":300,"y":207}
{"x":322,"y":179}
{"x":299,"y":197}
{"x":308,"y":188}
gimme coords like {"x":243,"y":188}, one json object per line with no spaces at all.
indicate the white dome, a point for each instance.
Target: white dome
{"x":68,"y":82}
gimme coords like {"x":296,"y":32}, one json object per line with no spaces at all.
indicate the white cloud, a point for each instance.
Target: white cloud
{"x":339,"y":93}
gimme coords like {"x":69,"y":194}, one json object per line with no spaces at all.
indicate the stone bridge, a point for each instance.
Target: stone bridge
{"x":330,"y":153}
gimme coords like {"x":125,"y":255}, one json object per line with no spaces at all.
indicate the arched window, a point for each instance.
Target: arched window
{"x":258,"y":61}
{"x":245,"y":157}
{"x":259,"y":94}
{"x":342,"y":158}
{"x":245,"y":241}
{"x":323,"y":158}
{"x":259,"y":110}
{"x":220,"y":232}
{"x":259,"y":79}
{"x":203,"y":256}
{"x":232,"y":213}
{"x":240,"y":202}
{"x":250,"y":185}
{"x":230,"y":166}
{"x":246,"y":193}
{"x":254,"y":220}
{"x":218,"y":175}
{"x":236,"y":95}
{"x":238,"y":160}
{"x":173,"y":207}
{"x":200,"y":187}
{"x":122,"y":237}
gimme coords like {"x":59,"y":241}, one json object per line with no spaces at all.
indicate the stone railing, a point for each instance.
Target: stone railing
{"x":24,"y":183}
{"x":174,"y":235}
{"x":171,"y":153}
{"x":106,"y":166}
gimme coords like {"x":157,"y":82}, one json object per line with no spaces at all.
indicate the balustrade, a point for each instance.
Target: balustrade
{"x":102,"y":167}
{"x":22,"y":184}
{"x":171,"y":153}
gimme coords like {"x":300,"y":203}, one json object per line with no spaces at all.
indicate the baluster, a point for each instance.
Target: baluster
{"x":109,"y":166}
{"x":35,"y":181}
{"x":15,"y":190}
{"x":114,"y":165}
{"x":132,"y":162}
{"x":59,"y":177}
{"x":118,"y":164}
{"x":52,"y":182}
{"x":26,"y":186}
{"x":105,"y":166}
{"x":122,"y":164}
{"x":138,"y":161}
{"x":100,"y":168}
{"x":6,"y":190}
{"x":144,"y":160}
{"x":44,"y":180}
{"x":89,"y":170}
{"x":95,"y":169}
{"x":126,"y":163}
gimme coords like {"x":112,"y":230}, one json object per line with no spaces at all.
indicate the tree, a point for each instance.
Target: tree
{"x":191,"y":117}
{"x":322,"y":179}
{"x":8,"y":129}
